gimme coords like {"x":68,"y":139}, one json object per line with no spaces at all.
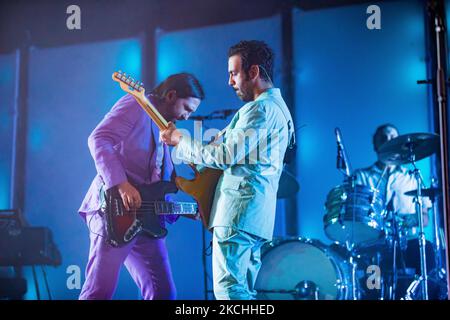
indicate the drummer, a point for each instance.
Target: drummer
{"x":392,"y":181}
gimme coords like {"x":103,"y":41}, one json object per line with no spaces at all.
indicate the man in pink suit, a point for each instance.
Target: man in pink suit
{"x":125,"y":147}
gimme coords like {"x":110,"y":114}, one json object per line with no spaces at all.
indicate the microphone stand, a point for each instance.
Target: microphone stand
{"x":342,"y":160}
{"x":343,"y":166}
{"x":219,"y":114}
{"x":437,"y":13}
{"x":395,"y":244}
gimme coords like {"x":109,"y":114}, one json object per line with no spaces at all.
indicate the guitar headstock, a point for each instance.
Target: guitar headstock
{"x":136,"y":89}
{"x":129,"y":84}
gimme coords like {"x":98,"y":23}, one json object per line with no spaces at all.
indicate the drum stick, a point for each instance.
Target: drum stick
{"x":381,"y":178}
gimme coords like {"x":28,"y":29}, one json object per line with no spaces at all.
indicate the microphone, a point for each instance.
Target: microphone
{"x":341,"y":161}
{"x":218,"y":114}
{"x":199,"y":117}
{"x":225,"y":112}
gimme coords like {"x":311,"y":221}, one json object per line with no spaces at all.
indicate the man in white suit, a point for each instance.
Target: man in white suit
{"x":251,"y":156}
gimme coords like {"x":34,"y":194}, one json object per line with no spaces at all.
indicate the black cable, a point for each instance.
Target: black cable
{"x":46,"y":283}
{"x":89,"y":225}
{"x":38,"y":293}
{"x":205,"y":271}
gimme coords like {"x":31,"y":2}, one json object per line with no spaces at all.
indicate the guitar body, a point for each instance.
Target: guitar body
{"x":122,"y":225}
{"x":202,"y":188}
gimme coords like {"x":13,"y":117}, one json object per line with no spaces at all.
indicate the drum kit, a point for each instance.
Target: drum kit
{"x":367,"y":259}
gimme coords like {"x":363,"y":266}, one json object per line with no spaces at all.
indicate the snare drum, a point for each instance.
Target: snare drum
{"x":303,"y":269}
{"x":354,"y":214}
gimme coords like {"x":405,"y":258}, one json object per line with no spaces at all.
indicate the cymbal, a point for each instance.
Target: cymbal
{"x":404,"y":148}
{"x":429,"y":192}
{"x":288,"y":186}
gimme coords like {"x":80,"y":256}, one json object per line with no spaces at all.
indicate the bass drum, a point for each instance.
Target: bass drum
{"x":303,"y":269}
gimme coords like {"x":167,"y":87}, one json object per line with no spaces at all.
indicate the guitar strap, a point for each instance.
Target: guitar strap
{"x":292,"y":144}
{"x":291,"y":131}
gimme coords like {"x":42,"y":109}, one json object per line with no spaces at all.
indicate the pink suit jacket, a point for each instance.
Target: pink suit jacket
{"x":122,"y":145}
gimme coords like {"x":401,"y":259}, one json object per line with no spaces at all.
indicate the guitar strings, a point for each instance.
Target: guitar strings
{"x":160,"y":207}
{"x":161,"y":212}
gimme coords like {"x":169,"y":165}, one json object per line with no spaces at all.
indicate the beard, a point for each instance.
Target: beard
{"x":244,"y":94}
{"x":167,"y":112}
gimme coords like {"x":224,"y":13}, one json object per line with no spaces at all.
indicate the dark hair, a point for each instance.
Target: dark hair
{"x":376,"y":138}
{"x":185,"y":84}
{"x":254,"y":52}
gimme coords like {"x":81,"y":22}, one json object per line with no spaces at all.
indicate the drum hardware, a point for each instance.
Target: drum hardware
{"x":352,"y":261}
{"x":303,"y":269}
{"x":382,"y":284}
{"x":396,"y":242}
{"x":433,"y":193}
{"x":351,"y":206}
{"x":437,"y":288}
{"x":411,"y":289}
{"x":410,"y":148}
{"x":304,"y":290}
{"x":422,"y":241}
{"x":439,"y":274}
{"x":346,"y":205}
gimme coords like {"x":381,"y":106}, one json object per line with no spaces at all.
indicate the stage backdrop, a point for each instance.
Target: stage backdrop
{"x":70,"y":91}
{"x":7,"y":84}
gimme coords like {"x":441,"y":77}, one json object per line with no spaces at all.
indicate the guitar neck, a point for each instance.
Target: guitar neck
{"x":178,"y":208}
{"x":136,"y":89}
{"x":150,"y":109}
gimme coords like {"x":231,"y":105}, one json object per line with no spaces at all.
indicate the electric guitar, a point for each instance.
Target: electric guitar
{"x":202,"y":187}
{"x":122,"y":225}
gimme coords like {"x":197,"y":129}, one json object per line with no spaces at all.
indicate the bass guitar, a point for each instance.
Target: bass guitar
{"x":122,"y":225}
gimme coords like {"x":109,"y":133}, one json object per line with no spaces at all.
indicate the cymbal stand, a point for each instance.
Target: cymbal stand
{"x":437,"y":238}
{"x":422,"y":242}
{"x":350,"y":244}
{"x":355,"y":295}
{"x":393,"y":276}
{"x":396,"y":250}
{"x":382,"y":280}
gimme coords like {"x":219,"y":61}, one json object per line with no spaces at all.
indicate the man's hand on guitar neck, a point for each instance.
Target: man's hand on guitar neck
{"x":171,"y":135}
{"x":130,"y":196}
